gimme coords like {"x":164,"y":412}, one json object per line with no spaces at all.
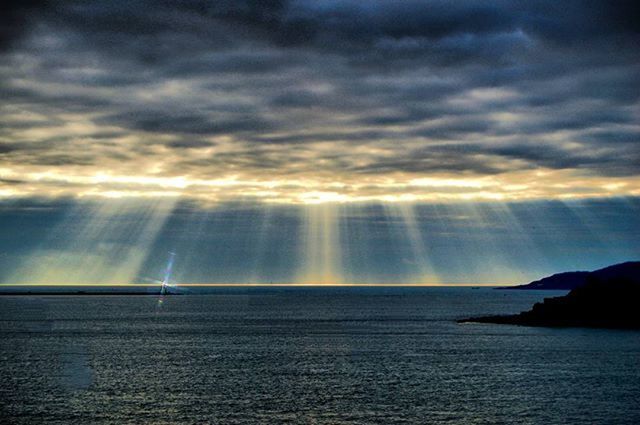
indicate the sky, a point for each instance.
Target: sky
{"x":317,"y":141}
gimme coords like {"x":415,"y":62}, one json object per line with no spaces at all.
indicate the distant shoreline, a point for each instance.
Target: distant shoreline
{"x":77,"y":293}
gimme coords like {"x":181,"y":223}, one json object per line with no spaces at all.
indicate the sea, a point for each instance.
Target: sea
{"x":309,"y":355}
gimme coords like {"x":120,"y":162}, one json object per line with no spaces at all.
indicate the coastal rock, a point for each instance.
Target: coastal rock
{"x":611,"y":303}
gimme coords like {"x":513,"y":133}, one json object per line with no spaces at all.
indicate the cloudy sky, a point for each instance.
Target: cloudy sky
{"x":306,"y":101}
{"x":293,"y":103}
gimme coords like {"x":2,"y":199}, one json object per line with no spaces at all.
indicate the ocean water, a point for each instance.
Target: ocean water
{"x":307,"y":355}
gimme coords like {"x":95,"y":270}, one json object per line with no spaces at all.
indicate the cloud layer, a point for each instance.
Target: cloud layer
{"x":310,"y":101}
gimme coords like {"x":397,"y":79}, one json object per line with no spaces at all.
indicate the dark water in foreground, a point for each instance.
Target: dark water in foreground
{"x":320,"y":356}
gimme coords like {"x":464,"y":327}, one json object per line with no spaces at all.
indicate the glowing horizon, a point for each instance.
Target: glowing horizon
{"x":515,"y":186}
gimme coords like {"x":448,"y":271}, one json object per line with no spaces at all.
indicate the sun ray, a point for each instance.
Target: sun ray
{"x":420,"y":259}
{"x":260,"y":244}
{"x":321,"y":246}
{"x":106,"y":245}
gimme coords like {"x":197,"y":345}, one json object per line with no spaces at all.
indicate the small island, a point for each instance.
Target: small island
{"x":599,"y":303}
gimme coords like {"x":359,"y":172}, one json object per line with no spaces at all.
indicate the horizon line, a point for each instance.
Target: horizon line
{"x":239,"y":285}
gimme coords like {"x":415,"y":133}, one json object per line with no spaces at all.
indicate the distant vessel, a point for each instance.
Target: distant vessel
{"x":164,"y":288}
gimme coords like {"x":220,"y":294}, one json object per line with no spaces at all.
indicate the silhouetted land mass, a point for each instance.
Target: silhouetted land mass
{"x":600,"y":303}
{"x":627,"y":271}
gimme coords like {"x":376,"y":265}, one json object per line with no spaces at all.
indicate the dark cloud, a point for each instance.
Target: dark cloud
{"x":628,"y":137}
{"x":24,"y":146}
{"x":189,"y":144}
{"x":188,"y":123}
{"x":16,"y":18}
{"x":60,"y":160}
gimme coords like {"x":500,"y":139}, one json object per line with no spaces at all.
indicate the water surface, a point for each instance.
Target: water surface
{"x":307,"y":355}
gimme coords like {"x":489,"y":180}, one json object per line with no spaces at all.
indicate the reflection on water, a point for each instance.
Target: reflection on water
{"x":338,"y":355}
{"x":75,"y":373}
